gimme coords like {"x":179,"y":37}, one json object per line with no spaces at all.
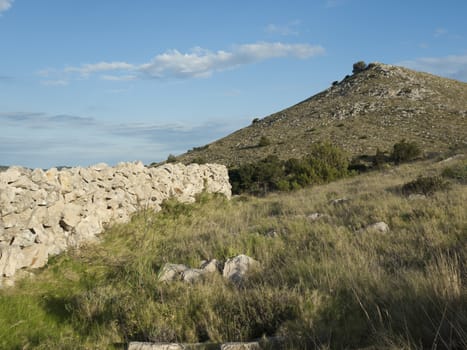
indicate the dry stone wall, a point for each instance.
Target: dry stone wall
{"x":43,"y":213}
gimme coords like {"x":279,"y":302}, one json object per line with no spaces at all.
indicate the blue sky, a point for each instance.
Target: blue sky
{"x":91,"y":81}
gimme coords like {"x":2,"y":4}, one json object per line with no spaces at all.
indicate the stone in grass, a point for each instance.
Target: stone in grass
{"x":241,"y":346}
{"x":154,"y":346}
{"x":172,"y":272}
{"x":236,"y":269}
{"x":212,"y":265}
{"x":193,"y":275}
{"x":378,"y":227}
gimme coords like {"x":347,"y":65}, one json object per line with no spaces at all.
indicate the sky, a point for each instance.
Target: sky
{"x":90,"y":81}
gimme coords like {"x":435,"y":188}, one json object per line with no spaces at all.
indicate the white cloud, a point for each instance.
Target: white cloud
{"x":202,"y":63}
{"x":87,"y":69}
{"x":5,"y":5}
{"x":119,"y":77}
{"x":454,"y":66}
{"x":196,"y":63}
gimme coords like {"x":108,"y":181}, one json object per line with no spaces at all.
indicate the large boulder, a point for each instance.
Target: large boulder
{"x":237,"y":268}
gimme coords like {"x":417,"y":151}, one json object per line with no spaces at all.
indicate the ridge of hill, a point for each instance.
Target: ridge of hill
{"x":369,"y":110}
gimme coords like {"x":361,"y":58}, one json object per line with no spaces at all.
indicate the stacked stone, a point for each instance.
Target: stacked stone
{"x":43,"y":213}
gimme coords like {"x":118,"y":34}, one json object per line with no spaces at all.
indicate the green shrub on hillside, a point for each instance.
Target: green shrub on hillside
{"x":323,"y":164}
{"x":358,"y":67}
{"x":426,"y":185}
{"x":404,"y":151}
{"x":171,"y":159}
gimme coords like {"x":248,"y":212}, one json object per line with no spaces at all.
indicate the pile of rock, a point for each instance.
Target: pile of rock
{"x":235,"y":270}
{"x":43,"y":213}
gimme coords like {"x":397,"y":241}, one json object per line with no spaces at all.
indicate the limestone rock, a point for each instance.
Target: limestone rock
{"x":171,"y":272}
{"x":241,"y":346}
{"x":34,"y":256}
{"x":235,"y":269}
{"x":211,"y":266}
{"x":154,"y":346}
{"x":9,"y":258}
{"x":380,"y":227}
{"x":193,"y":275}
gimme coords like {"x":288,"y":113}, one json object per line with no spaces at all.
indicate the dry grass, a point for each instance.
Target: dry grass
{"x":326,"y":283}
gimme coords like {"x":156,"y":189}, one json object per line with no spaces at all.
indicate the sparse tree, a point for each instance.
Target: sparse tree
{"x":358,"y":67}
{"x":171,"y":159}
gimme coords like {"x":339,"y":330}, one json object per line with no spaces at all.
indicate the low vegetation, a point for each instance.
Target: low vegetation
{"x":324,"y":163}
{"x":325,"y":281}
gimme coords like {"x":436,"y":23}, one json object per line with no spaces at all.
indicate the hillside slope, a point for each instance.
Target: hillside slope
{"x":372,"y":109}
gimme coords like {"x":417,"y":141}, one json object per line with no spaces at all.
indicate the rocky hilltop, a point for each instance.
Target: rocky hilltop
{"x":43,"y":213}
{"x":374,"y":108}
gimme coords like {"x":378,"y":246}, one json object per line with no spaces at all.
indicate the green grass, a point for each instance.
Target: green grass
{"x":324,"y":283}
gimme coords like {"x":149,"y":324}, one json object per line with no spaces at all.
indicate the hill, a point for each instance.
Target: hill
{"x":374,"y":108}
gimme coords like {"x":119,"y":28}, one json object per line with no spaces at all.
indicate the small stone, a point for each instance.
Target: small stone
{"x":212,"y":265}
{"x":171,"y":272}
{"x":154,"y":346}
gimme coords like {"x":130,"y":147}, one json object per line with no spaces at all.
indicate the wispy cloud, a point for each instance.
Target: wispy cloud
{"x":196,"y":63}
{"x":454,"y":66}
{"x":5,"y":5}
{"x":288,"y":29}
{"x":119,"y":77}
{"x":87,"y":69}
{"x":37,"y":139}
{"x":439,"y":32}
{"x":37,"y":120}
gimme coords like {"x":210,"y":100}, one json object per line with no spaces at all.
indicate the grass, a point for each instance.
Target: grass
{"x":323,"y":284}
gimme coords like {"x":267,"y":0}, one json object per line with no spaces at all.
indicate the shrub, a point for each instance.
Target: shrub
{"x":426,"y":185}
{"x":171,"y":159}
{"x":328,"y":162}
{"x":358,"y":67}
{"x":324,"y":163}
{"x":404,"y":151}
{"x":199,"y":160}
{"x":264,"y":141}
{"x":257,"y":178}
{"x":256,"y":120}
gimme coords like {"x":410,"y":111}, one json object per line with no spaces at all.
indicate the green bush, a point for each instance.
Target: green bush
{"x":171,"y":159}
{"x":358,"y":67}
{"x":323,"y":164}
{"x":426,"y":185}
{"x":404,"y":151}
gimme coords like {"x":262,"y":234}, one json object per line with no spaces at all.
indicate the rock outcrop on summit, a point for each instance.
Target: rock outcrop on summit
{"x":43,"y":213}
